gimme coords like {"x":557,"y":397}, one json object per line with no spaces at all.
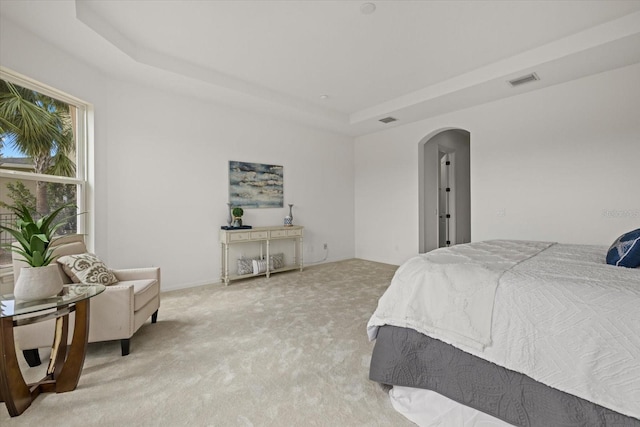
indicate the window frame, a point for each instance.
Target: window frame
{"x":84,"y":140}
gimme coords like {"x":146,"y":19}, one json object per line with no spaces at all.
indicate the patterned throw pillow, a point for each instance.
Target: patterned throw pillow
{"x":245,"y":265}
{"x":87,"y":268}
{"x":625,"y":251}
{"x":276,"y":261}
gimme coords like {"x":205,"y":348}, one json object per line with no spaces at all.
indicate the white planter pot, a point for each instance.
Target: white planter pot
{"x":36,"y":283}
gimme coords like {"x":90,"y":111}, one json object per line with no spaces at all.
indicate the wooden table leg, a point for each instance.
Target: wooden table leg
{"x":70,"y":373}
{"x":59,"y":347}
{"x":13,"y":390}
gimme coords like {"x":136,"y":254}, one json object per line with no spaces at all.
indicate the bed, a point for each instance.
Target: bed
{"x":511,"y":333}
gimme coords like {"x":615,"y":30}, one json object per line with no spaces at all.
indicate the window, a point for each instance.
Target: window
{"x":43,"y":146}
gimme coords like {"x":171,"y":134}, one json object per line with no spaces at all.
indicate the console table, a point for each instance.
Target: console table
{"x":263,"y":236}
{"x":65,"y":367}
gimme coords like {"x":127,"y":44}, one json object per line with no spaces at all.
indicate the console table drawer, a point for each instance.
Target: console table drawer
{"x":278,"y":233}
{"x":297,"y":232}
{"x":258,"y":235}
{"x":237,"y":237}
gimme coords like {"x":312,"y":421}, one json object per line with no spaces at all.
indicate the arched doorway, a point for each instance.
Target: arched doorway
{"x":444,"y":189}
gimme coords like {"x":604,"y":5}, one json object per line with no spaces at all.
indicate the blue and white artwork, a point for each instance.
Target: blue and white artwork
{"x":255,"y":185}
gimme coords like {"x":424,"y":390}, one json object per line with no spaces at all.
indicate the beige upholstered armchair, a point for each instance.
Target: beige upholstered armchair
{"x":116,"y":314}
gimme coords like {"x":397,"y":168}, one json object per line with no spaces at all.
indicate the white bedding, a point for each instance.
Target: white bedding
{"x":427,"y":408}
{"x":450,"y":292}
{"x":563,"y":317}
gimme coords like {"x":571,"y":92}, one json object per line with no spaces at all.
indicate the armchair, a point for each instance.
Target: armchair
{"x":116,"y":314}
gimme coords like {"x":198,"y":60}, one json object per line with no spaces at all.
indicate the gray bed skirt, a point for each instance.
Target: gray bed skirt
{"x":404,"y":357}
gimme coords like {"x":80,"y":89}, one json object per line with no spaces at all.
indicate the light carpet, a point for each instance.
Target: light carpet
{"x":291,"y":350}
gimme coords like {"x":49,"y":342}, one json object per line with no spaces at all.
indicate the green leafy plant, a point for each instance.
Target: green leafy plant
{"x":20,"y":195}
{"x":34,"y":236}
{"x":237,"y":212}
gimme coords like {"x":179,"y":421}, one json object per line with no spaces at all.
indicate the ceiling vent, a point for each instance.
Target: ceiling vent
{"x":524,"y":79}
{"x":388,"y":119}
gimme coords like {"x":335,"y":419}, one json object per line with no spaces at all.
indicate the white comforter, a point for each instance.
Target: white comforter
{"x":563,"y":317}
{"x":449,"y":293}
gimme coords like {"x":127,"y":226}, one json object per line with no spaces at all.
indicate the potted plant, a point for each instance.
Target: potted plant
{"x":237,"y":216}
{"x":33,"y":237}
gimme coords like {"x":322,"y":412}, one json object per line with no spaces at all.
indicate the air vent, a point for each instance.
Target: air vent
{"x":388,"y":119}
{"x":524,"y":79}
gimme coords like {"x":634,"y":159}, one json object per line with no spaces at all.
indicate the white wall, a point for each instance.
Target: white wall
{"x":562,"y":163}
{"x":168,"y":181}
{"x":162,"y":168}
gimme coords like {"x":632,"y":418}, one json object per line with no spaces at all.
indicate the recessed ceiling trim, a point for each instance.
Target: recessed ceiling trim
{"x":435,"y":94}
{"x":147,"y":56}
{"x":612,"y":31}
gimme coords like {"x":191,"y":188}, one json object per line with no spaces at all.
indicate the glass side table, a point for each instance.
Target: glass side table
{"x":63,"y":372}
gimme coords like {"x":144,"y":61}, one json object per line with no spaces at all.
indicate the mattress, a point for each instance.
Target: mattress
{"x":560,"y":316}
{"x":427,"y":408}
{"x":407,"y":358}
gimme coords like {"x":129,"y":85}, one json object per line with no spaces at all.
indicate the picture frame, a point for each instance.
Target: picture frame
{"x":256,"y":185}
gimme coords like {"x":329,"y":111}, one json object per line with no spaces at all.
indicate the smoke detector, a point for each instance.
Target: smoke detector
{"x":367,"y":8}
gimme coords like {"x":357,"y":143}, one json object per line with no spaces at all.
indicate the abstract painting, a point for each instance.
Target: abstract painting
{"x":255,"y":185}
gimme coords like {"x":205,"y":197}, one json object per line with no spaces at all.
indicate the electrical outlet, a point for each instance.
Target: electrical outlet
{"x":325,"y":246}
